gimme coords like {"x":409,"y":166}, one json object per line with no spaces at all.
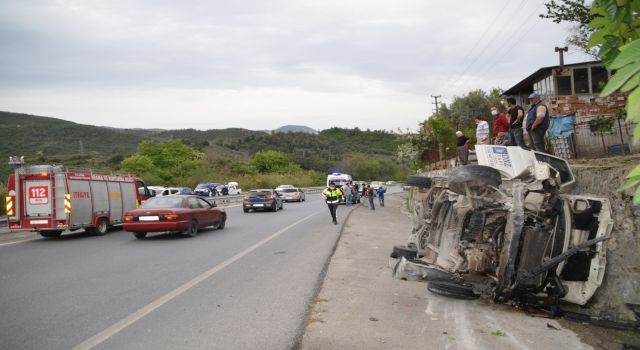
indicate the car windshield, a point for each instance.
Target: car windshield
{"x":162,"y":202}
{"x":201,"y":186}
{"x":288,"y":190}
{"x":255,"y":193}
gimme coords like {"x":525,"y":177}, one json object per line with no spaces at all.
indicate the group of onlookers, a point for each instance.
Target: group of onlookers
{"x":508,"y":129}
{"x":349,"y":191}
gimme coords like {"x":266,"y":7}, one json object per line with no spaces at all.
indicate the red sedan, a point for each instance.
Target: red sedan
{"x":186,"y":214}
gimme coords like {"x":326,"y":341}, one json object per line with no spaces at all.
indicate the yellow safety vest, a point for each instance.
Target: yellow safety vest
{"x":332,"y":196}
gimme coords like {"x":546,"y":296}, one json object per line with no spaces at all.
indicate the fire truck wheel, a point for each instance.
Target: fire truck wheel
{"x":51,"y":234}
{"x":192,"y":231}
{"x":102,"y":227}
{"x":140,"y":235}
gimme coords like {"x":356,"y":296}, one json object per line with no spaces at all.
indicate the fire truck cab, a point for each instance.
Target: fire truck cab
{"x":49,"y":199}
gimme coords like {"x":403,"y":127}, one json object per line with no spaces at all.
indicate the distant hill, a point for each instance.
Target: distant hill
{"x":44,"y":140}
{"x":295,"y":128}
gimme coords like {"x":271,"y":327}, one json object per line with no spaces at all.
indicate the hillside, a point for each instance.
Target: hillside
{"x":295,"y":128}
{"x":44,"y":140}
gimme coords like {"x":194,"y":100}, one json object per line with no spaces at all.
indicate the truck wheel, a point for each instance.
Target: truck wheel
{"x":102,"y":227}
{"x":408,"y":253}
{"x":192,"y":230}
{"x":140,"y":235}
{"x":419,"y":181}
{"x":51,"y":234}
{"x":452,"y":290}
{"x":475,"y":177}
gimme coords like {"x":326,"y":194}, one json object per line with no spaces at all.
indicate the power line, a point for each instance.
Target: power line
{"x":449,"y":86}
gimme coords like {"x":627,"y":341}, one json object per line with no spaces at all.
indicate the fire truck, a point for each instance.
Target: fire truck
{"x":50,"y":199}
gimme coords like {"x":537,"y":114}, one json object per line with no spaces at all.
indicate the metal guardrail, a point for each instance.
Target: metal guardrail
{"x":226,"y":200}
{"x":4,"y":224}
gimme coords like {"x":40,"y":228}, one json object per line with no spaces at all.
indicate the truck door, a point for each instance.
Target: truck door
{"x":37,"y":198}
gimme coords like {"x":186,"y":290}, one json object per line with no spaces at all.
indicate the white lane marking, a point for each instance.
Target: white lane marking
{"x":145,"y":310}
{"x":16,"y":242}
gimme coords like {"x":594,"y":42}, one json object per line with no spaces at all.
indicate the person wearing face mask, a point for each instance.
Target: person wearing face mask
{"x":332,"y":198}
{"x":500,"y":126}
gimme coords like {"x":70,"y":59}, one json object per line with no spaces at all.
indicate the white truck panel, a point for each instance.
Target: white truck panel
{"x":100,"y":197}
{"x":115,"y":201}
{"x":37,"y":198}
{"x":61,"y":190}
{"x":81,"y":206}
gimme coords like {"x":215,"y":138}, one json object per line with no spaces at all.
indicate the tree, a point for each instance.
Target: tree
{"x":616,"y":25}
{"x":171,"y":162}
{"x":273,"y":162}
{"x":466,"y":107}
{"x":576,"y":12}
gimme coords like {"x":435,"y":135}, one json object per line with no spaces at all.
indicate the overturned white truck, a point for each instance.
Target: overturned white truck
{"x":506,"y":228}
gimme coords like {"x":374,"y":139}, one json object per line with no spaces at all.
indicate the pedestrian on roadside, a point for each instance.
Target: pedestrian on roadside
{"x":332,"y":198}
{"x":516,"y":116}
{"x":347,"y":191}
{"x":500,"y":126}
{"x":371,"y":193}
{"x":462,"y":148}
{"x":537,"y":122}
{"x":482,"y":131}
{"x":380,"y":193}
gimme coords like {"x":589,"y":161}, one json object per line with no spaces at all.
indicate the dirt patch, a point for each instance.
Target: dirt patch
{"x":603,"y":338}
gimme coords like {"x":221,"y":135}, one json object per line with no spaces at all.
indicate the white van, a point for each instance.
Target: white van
{"x":339,"y":179}
{"x":234,"y":188}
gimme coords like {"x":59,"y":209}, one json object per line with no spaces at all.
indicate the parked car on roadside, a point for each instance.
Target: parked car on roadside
{"x":185,"y":214}
{"x":292,"y":194}
{"x":206,"y":189}
{"x":169,"y":191}
{"x":262,"y":199}
{"x":234,"y":188}
{"x":155,"y":190}
{"x":281,"y":187}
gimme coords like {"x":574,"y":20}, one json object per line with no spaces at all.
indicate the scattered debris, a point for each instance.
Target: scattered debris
{"x":373,"y":319}
{"x":552,"y":327}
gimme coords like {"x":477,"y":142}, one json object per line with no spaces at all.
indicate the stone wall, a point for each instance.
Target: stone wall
{"x":602,"y":177}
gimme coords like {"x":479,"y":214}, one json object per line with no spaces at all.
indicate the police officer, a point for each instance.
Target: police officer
{"x":332,"y":197}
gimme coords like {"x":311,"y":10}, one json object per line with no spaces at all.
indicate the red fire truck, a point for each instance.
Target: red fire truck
{"x":49,"y":199}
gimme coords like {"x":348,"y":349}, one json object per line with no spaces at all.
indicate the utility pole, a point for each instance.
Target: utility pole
{"x":435,"y":102}
{"x":561,"y":51}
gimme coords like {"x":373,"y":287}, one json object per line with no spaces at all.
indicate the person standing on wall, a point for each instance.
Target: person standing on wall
{"x":482,"y":131}
{"x":332,"y":198}
{"x":537,"y":122}
{"x":516,"y":117}
{"x":500,"y":126}
{"x":462,"y":148}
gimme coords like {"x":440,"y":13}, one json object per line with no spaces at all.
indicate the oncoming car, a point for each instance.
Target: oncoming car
{"x":508,"y":229}
{"x":185,"y":214}
{"x":262,"y":199}
{"x":292,"y":194}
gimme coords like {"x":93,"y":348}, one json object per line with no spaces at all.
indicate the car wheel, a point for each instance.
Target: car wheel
{"x":452,"y":290}
{"x":477,"y":178}
{"x":222,"y":223}
{"x":140,"y":235}
{"x":404,"y":251}
{"x":51,"y":234}
{"x":419,"y":181}
{"x":192,"y":230}
{"x":245,"y":210}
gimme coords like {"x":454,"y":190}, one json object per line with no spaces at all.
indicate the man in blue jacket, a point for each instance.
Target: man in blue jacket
{"x":537,"y":122}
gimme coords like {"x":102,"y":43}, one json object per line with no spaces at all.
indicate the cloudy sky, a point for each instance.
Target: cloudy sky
{"x":255,"y":64}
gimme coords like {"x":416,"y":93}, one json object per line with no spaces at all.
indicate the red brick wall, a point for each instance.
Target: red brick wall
{"x":586,"y":105}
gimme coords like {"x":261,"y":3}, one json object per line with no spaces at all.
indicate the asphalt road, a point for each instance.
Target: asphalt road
{"x":248,"y":286}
